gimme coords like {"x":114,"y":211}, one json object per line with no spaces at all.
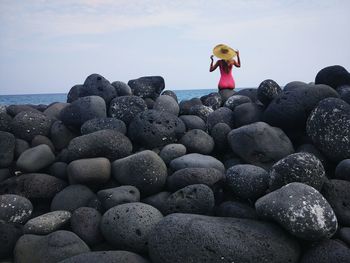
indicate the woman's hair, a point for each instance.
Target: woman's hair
{"x":225,"y":65}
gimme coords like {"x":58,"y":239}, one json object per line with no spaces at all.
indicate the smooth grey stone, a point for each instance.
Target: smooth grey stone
{"x":72,"y":197}
{"x":260,"y":144}
{"x":186,"y":105}
{"x":189,"y":176}
{"x":235,"y":209}
{"x":85,"y":222}
{"x":196,"y":160}
{"x":166,"y":103}
{"x":104,"y":143}
{"x":7,"y":149}
{"x":298,"y":167}
{"x":47,"y":223}
{"x":144,"y":170}
{"x":172,"y":151}
{"x":116,"y":256}
{"x":192,"y":199}
{"x":127,"y":226}
{"x":36,"y":158}
{"x":193,"y":122}
{"x":157,"y":200}
{"x":15,"y":208}
{"x":344,"y":235}
{"x":197,"y":238}
{"x":121,"y":88}
{"x":59,"y":170}
{"x":247,"y":181}
{"x":103,"y":124}
{"x":33,"y":185}
{"x":333,"y":76}
{"x":328,"y":126}
{"x":61,"y":135}
{"x":13,"y":110}
{"x":89,"y":171}
{"x":342,"y":171}
{"x":9,"y":234}
{"x":294,"y":85}
{"x":41,"y":139}
{"x":27,"y":124}
{"x":247,"y":113}
{"x":5,"y":121}
{"x":118,"y":195}
{"x":251,"y":93}
{"x":51,"y":248}
{"x":224,"y":115}
{"x":54,"y":111}
{"x":301,"y":210}
{"x":197,"y":141}
{"x":219,"y":133}
{"x":20,"y":147}
{"x":171,"y":94}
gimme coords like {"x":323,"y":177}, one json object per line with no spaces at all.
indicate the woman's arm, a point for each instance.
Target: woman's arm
{"x":238,"y":62}
{"x":212,"y":68}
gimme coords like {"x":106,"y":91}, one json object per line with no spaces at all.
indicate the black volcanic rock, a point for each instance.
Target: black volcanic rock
{"x":7,"y":148}
{"x":333,"y":76}
{"x":268,"y":90}
{"x":103,"y":124}
{"x":147,"y":87}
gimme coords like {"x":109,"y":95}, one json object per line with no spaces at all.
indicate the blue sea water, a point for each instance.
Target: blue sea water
{"x":47,"y":99}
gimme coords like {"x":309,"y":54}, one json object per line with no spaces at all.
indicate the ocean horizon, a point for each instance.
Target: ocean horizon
{"x":48,"y":98}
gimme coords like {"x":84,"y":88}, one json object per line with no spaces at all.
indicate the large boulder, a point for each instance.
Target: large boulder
{"x":328,"y":126}
{"x":197,"y":141}
{"x":167,"y":104}
{"x":61,"y":135}
{"x":54,"y":110}
{"x":301,"y":210}
{"x":121,"y":88}
{"x":235,"y":100}
{"x":219,"y":133}
{"x":223,"y":114}
{"x":127,"y":226}
{"x":147,"y":87}
{"x":235,"y":209}
{"x":33,"y":185}
{"x":145,"y":170}
{"x":103,"y":124}
{"x":247,"y":113}
{"x":193,"y":122}
{"x":97,"y":85}
{"x":36,"y":158}
{"x":268,"y":90}
{"x":298,"y":167}
{"x":125,"y":108}
{"x":27,"y":124}
{"x":15,"y":209}
{"x":104,"y":143}
{"x":212,"y":100}
{"x":153,"y":128}
{"x":290,"y":109}
{"x":333,"y":76}
{"x":260,"y":144}
{"x":197,"y":238}
{"x":51,"y":248}
{"x":7,"y":148}
{"x":186,"y":105}
{"x":196,"y":160}
{"x":112,"y":256}
{"x":252,"y":93}
{"x":82,"y":110}
{"x":201,"y":111}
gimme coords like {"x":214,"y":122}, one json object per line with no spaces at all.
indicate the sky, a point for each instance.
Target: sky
{"x":50,"y":46}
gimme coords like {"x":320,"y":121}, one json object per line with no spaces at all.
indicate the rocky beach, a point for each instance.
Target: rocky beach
{"x":126,"y":173}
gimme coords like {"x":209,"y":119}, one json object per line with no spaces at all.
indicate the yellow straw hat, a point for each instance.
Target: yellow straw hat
{"x":224,"y":52}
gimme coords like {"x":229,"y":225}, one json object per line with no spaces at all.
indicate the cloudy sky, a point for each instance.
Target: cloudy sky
{"x":49,"y":46}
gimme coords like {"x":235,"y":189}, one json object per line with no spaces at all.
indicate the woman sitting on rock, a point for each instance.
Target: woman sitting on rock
{"x":226,"y":62}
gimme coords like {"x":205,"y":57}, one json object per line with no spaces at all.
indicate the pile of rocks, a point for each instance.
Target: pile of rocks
{"x":126,"y":173}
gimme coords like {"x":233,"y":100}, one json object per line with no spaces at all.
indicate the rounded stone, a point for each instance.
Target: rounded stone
{"x":196,"y":160}
{"x":105,"y":143}
{"x":149,"y":102}
{"x":61,"y":135}
{"x":54,"y":110}
{"x":33,"y":185}
{"x":189,"y":176}
{"x":186,"y":105}
{"x":59,"y":170}
{"x":192,"y":199}
{"x":125,"y":108}
{"x":20,"y":147}
{"x":36,"y":158}
{"x":328,"y":126}
{"x":51,"y":248}
{"x":115,"y":256}
{"x":194,"y":238}
{"x":27,"y":124}
{"x":85,"y":222}
{"x":47,"y":223}
{"x":343,"y":91}
{"x":333,"y":76}
{"x":171,"y":94}
{"x":9,"y":234}
{"x":247,"y":181}
{"x":74,"y":93}
{"x":201,"y":111}
{"x":119,"y":195}
{"x":301,"y":210}
{"x":247,"y":113}
{"x":13,"y":110}
{"x":294,"y":85}
{"x":197,"y":141}
{"x":147,"y":87}
{"x":236,"y":100}
{"x":344,"y":235}
{"x":235,"y":209}
{"x":290,"y":109}
{"x":5,"y":122}
{"x":157,"y":200}
{"x":103,"y":124}
{"x":298,"y":167}
{"x":7,"y":148}
{"x":166,"y":103}
{"x":193,"y":122}
{"x":221,"y":115}
{"x":82,"y":110}
{"x":90,"y":171}
{"x":327,"y":251}
{"x":268,"y":90}
{"x":127,"y":226}
{"x":172,"y":151}
{"x":72,"y":197}
{"x":97,"y":85}
{"x":260,"y":144}
{"x":121,"y":88}
{"x":15,"y":208}
{"x":337,"y":194}
{"x":40,"y":139}
{"x":144,"y":170}
{"x":219,"y":133}
{"x":250,"y":93}
{"x":153,"y":129}
{"x":310,"y":148}
{"x":342,"y":171}
{"x":212,"y":100}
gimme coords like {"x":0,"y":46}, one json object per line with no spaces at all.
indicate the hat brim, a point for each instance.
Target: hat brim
{"x":217,"y":51}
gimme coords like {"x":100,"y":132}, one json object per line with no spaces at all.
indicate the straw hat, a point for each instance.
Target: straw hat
{"x":224,"y":52}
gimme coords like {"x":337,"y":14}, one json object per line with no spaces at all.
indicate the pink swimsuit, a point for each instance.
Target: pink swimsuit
{"x":226,"y":79}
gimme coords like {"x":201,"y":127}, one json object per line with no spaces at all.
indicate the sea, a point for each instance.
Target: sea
{"x":47,"y":99}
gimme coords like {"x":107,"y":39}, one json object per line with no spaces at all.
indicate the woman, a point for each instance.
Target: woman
{"x":226,"y":83}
